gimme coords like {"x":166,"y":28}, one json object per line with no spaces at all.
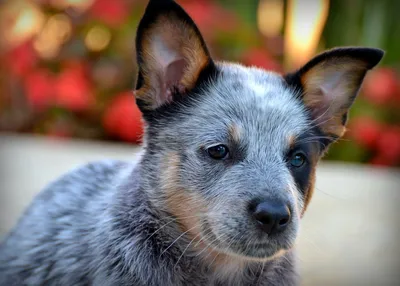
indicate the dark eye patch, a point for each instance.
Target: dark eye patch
{"x":301,"y":158}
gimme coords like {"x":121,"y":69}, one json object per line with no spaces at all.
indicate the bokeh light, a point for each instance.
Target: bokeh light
{"x":270,"y":17}
{"x":19,"y":20}
{"x":304,"y":27}
{"x":97,"y":38}
{"x":55,"y":32}
{"x":78,"y":5}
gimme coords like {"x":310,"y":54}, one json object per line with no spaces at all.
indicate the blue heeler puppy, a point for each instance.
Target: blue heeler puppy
{"x":226,"y":173}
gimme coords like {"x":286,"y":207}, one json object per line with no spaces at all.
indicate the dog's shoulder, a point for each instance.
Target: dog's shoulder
{"x":78,"y":188}
{"x":61,"y":217}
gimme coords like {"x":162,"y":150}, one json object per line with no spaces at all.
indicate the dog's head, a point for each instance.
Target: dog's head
{"x":235,"y":148}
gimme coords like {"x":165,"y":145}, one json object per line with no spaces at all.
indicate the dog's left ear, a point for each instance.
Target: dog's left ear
{"x":171,"y":54}
{"x":329,"y":83}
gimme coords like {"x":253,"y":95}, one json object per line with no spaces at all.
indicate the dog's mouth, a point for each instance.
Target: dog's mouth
{"x":242,"y":246}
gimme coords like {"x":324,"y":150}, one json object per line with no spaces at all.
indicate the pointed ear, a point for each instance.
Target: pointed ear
{"x":171,"y":54}
{"x":329,"y":83}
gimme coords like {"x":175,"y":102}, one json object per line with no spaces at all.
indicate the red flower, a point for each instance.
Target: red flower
{"x":365,"y":131}
{"x":73,"y":90}
{"x":389,"y":144}
{"x":111,"y":12}
{"x":39,"y":89}
{"x":79,"y":67}
{"x":21,"y":59}
{"x":260,"y":58}
{"x":381,"y":86}
{"x":123,"y":118}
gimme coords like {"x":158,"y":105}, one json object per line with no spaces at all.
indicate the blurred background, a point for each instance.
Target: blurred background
{"x":67,"y":66}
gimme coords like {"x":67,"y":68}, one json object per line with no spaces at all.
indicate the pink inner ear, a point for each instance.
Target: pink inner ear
{"x":172,"y":76}
{"x":320,"y":106}
{"x":332,"y":92}
{"x":169,"y":67}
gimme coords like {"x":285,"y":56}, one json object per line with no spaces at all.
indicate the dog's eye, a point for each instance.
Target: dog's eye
{"x":218,"y":152}
{"x":297,"y":160}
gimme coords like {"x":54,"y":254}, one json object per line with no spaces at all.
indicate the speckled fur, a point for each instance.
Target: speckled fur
{"x":122,"y":223}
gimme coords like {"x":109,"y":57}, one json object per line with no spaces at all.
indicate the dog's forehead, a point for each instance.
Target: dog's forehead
{"x":257,"y":100}
{"x":252,"y":85}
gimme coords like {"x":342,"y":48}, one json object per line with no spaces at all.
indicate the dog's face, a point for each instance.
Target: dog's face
{"x":237,"y":147}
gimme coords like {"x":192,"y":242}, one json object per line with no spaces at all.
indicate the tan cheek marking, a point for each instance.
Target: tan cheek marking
{"x":184,"y":206}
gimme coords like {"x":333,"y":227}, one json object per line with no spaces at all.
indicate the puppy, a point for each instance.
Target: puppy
{"x":226,"y":173}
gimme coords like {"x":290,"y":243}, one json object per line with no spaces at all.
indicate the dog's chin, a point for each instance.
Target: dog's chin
{"x":260,"y":252}
{"x":254,"y":255}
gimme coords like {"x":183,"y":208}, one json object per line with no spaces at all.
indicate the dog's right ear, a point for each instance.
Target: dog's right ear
{"x":171,"y":54}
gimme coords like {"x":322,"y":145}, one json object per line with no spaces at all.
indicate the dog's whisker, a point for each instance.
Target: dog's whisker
{"x":177,"y":239}
{"x":261,"y":273}
{"x":325,"y":112}
{"x":160,"y":228}
{"x":205,"y":238}
{"x":188,"y":246}
{"x":207,"y":245}
{"x":232,"y":241}
{"x":227,"y":247}
{"x":310,"y":241}
{"x":209,"y":234}
{"x":215,"y":257}
{"x":318,"y":140}
{"x":166,"y":224}
{"x":247,"y":244}
{"x":313,"y":138}
{"x":328,"y":194}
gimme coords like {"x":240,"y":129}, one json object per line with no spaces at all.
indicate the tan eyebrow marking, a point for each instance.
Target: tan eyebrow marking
{"x":291,"y":140}
{"x":235,"y":132}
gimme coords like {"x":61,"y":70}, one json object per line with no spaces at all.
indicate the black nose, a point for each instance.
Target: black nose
{"x":272,"y":216}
